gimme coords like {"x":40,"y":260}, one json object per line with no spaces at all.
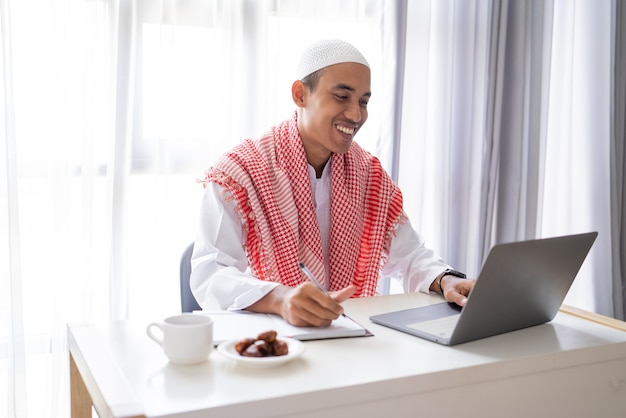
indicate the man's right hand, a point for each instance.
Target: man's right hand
{"x":305,"y":305}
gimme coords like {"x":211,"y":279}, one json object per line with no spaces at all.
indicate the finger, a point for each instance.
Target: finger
{"x":302,"y":312}
{"x":315,"y":306}
{"x":459,"y":293}
{"x":308,"y":320}
{"x":327,"y":305}
{"x":458,"y":298}
{"x":464,"y":287}
{"x":343,"y":294}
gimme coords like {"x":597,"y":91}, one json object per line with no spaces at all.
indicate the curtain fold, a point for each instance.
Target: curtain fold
{"x":393,"y":46}
{"x":12,"y":300}
{"x":576,"y":193}
{"x":513,"y":176}
{"x":618,"y":154}
{"x":125,"y":41}
{"x":489,"y":169}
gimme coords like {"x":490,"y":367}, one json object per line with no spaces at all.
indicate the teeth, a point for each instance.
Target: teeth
{"x":345,"y":130}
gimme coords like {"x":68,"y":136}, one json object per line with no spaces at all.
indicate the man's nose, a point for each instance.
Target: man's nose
{"x":354,"y":112}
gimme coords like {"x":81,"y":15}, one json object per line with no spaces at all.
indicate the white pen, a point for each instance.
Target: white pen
{"x":311,"y":277}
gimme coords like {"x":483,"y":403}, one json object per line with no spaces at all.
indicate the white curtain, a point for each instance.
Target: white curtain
{"x":507,"y":110}
{"x":577,"y":191}
{"x":444,"y":130}
{"x":111,"y":109}
{"x":491,"y":115}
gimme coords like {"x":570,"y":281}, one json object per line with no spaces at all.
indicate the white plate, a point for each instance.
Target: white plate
{"x":227,"y":349}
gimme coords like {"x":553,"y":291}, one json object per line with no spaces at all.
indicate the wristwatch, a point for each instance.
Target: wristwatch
{"x":450,"y":272}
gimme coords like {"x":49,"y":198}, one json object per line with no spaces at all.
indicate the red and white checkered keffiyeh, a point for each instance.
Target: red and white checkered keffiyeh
{"x":269,"y":179}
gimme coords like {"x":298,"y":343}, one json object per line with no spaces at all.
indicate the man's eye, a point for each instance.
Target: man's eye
{"x":341,"y":97}
{"x":364,"y":103}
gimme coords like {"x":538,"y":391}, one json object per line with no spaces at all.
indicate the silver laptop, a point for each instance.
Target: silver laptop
{"x":521,"y":284}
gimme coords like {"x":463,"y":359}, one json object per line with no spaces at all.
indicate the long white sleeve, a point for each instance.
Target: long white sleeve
{"x":220,"y":276}
{"x":410,"y":260}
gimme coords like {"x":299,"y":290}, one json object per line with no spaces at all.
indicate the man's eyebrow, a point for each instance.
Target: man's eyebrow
{"x":342,"y":86}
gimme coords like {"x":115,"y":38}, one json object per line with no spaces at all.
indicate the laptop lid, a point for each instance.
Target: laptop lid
{"x":521,"y":284}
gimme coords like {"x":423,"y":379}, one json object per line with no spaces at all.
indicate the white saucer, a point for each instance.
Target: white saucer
{"x":227,"y":349}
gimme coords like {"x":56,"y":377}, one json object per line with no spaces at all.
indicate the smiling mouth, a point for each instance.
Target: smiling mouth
{"x":345,"y":129}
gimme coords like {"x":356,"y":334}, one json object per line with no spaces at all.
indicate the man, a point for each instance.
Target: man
{"x":305,"y":192}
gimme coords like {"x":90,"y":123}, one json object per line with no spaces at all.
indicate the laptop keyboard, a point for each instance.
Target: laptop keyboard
{"x":442,"y":327}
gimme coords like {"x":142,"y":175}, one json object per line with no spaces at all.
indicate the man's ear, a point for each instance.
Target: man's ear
{"x":298,"y":91}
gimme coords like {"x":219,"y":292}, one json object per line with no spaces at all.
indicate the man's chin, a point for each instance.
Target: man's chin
{"x":345,"y":147}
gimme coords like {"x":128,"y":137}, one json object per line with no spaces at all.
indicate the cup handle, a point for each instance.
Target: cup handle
{"x":157,"y":338}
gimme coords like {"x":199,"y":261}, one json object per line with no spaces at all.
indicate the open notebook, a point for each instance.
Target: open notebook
{"x":229,"y":325}
{"x":521,"y":284}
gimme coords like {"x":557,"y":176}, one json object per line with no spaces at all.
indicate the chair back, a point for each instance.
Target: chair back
{"x":188,"y":302}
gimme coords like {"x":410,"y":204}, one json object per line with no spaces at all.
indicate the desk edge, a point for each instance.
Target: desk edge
{"x":594,"y":317}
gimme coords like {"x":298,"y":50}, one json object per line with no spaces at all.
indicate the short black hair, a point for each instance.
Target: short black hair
{"x":313,"y":79}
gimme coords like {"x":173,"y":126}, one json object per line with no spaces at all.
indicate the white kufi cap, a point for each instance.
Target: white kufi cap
{"x":321,"y":54}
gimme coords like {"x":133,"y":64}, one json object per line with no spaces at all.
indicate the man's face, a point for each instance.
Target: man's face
{"x":333,"y":113}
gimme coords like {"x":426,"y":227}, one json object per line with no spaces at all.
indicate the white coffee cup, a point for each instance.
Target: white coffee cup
{"x":186,"y":338}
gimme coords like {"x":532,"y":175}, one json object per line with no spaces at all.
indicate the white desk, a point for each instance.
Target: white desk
{"x":570,"y":367}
